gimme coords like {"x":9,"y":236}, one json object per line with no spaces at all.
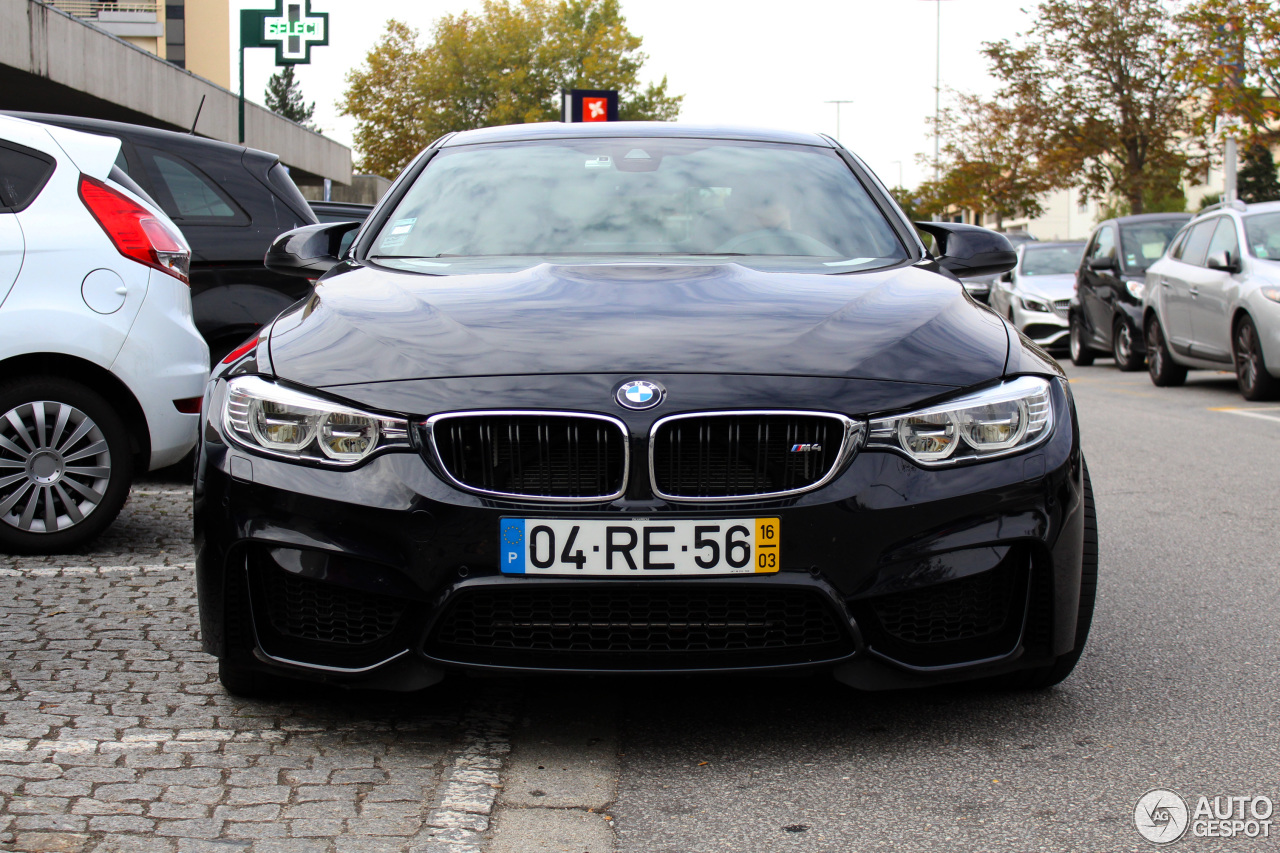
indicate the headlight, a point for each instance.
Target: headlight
{"x":267,"y":417}
{"x":996,"y":422}
{"x":1030,"y":303}
{"x":1272,"y":293}
{"x":1137,"y":289}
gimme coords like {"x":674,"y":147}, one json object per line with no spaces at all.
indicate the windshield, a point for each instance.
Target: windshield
{"x":1051,"y":260}
{"x":1144,"y":243}
{"x":1263,"y":233}
{"x":508,"y":206}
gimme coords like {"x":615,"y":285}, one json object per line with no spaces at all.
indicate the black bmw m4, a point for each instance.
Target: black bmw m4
{"x":638,"y":398}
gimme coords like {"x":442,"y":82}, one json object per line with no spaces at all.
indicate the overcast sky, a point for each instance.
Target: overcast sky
{"x":767,"y":64}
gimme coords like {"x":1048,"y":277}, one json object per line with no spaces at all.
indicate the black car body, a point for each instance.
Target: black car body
{"x":643,"y":449}
{"x":230,"y":202}
{"x":1106,"y":311}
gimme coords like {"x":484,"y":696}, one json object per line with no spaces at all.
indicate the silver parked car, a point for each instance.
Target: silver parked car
{"x":1213,"y":300}
{"x":1036,"y":293}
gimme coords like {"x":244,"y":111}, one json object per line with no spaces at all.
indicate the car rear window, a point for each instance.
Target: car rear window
{"x":187,"y":194}
{"x":23,"y":173}
{"x":509,"y":205}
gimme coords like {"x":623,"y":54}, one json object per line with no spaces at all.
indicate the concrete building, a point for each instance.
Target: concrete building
{"x":147,"y":62}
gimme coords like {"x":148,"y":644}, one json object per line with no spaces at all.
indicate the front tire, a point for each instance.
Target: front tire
{"x":1251,"y":369}
{"x":1081,"y":355}
{"x":1164,"y":371}
{"x":65,"y":465}
{"x":1123,"y":349}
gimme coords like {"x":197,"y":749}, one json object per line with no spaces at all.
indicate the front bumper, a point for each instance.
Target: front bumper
{"x":892,"y":575}
{"x":1049,"y":330}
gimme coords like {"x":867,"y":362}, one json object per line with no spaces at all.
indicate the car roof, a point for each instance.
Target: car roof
{"x":1139,"y":218}
{"x":142,"y":133}
{"x":629,"y":129}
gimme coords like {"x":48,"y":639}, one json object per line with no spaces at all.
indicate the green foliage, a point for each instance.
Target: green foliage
{"x":1209,"y":200}
{"x":504,"y":65}
{"x":1232,"y":55}
{"x":1097,"y":84}
{"x":989,"y":163}
{"x":1256,"y":179}
{"x":284,"y":96}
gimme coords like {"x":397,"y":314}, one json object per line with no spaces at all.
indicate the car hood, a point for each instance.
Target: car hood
{"x":1051,"y":287}
{"x":366,"y":324}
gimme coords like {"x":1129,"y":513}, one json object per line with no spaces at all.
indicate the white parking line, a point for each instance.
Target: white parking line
{"x":1253,"y":412}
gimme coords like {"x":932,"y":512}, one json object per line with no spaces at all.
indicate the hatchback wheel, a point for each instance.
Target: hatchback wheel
{"x":1122,"y":347}
{"x":1164,"y":370}
{"x":1081,"y":355}
{"x":1251,"y":370}
{"x":65,"y":465}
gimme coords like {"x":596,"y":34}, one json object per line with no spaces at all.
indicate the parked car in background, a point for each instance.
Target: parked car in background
{"x":339,"y":211}
{"x":1036,"y":294}
{"x":1106,"y":312}
{"x":981,"y":287}
{"x":641,"y":397}
{"x":101,"y":368}
{"x":230,"y":202}
{"x":1213,"y":301}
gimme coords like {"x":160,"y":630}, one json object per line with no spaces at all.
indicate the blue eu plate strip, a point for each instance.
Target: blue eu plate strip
{"x":511,"y":542}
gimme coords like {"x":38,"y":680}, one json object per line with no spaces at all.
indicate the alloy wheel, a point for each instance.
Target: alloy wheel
{"x":55,"y":466}
{"x":1246,"y":356}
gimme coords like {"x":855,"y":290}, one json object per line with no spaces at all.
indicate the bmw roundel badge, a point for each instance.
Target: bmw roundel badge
{"x":639,"y":394}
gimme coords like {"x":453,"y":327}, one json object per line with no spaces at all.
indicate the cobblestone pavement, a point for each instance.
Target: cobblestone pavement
{"x":116,"y":736}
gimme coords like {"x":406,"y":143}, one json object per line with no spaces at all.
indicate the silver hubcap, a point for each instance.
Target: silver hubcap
{"x":1245,"y":366}
{"x":1123,"y":344}
{"x":54,"y":466}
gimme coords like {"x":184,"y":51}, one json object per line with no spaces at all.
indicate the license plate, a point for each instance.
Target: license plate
{"x":632,"y":547}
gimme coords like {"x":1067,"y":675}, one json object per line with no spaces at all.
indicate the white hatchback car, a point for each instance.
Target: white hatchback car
{"x":101,"y":367}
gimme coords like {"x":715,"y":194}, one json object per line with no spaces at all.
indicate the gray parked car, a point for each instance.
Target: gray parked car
{"x":1213,"y":300}
{"x":1035,"y":295}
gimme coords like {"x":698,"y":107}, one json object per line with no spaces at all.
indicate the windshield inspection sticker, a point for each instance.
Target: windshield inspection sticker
{"x":402,"y":226}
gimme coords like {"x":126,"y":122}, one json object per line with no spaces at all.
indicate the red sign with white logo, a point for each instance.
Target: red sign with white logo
{"x":595,"y":109}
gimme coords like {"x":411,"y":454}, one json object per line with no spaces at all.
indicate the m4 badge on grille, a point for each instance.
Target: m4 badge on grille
{"x":806,"y":448}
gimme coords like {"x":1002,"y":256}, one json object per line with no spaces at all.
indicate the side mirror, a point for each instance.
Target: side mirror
{"x":1223,"y":262}
{"x":967,"y":250}
{"x":309,"y":251}
{"x":1103,"y":263}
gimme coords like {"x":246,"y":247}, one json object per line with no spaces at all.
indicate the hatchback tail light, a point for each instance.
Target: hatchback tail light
{"x":135,"y":231}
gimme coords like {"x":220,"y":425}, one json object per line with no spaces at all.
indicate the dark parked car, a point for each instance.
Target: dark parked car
{"x":641,"y":397}
{"x":230,"y":202}
{"x":339,"y":211}
{"x":1106,"y":311}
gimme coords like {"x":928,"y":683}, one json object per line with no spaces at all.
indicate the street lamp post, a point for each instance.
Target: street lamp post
{"x":937,"y":93}
{"x":838,"y":103}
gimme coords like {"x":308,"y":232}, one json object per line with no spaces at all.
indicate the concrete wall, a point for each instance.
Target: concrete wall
{"x":52,"y":62}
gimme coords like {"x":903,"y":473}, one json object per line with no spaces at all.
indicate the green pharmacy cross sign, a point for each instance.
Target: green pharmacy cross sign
{"x":291,"y":28}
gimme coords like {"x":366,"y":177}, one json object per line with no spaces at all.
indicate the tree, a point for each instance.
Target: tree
{"x":284,"y":96}
{"x":1256,"y":180}
{"x":988,"y":161}
{"x":505,"y":65}
{"x":1098,"y":85}
{"x":1233,"y":56}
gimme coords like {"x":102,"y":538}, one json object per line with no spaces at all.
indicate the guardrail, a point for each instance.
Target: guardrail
{"x":91,"y":8}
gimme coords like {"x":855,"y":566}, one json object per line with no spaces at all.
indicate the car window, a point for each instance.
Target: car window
{"x":1224,"y":239}
{"x":512,"y":204}
{"x":1143,"y":243}
{"x":187,"y":194}
{"x":1179,"y":243}
{"x":1050,"y":260}
{"x":1197,"y":245}
{"x":23,"y":173}
{"x":1104,"y":244}
{"x":1262,"y":231}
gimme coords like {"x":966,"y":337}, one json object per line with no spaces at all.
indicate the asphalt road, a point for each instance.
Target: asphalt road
{"x":1177,"y":689}
{"x":115,"y":736}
